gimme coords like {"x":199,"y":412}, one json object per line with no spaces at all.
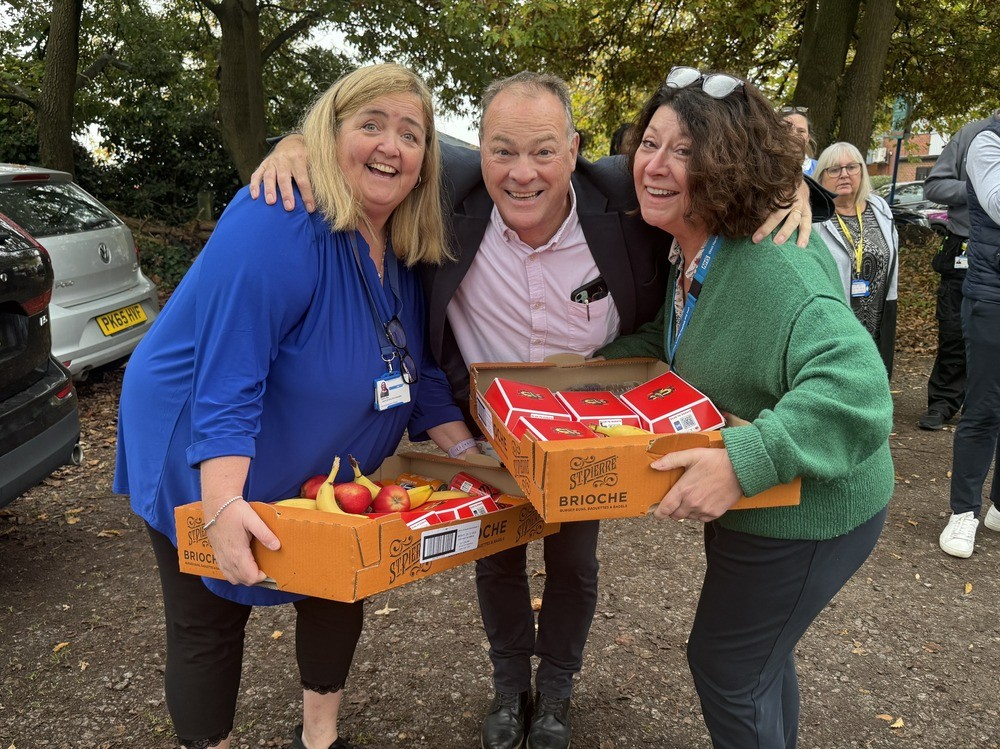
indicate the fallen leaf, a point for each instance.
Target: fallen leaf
{"x":74,"y":510}
{"x":536,"y":604}
{"x":932,"y":647}
{"x":276,"y":634}
{"x":914,"y":523}
{"x":385,"y":611}
{"x":917,"y":576}
{"x":109,"y":533}
{"x":60,"y":646}
{"x":72,"y":520}
{"x":884,"y":716}
{"x":898,"y":724}
{"x":968,"y":588}
{"x":83,"y":665}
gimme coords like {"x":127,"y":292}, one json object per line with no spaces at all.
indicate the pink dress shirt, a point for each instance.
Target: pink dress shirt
{"x":514,"y":302}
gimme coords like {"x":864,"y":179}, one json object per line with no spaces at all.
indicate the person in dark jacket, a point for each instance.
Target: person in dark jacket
{"x":976,"y":436}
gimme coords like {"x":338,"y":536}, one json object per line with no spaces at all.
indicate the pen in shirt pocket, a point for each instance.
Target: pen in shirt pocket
{"x":590,"y":292}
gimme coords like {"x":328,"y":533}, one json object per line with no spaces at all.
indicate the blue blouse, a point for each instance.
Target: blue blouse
{"x":268,"y":349}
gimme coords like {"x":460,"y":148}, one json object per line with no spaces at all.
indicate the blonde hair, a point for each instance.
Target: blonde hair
{"x":833,"y":153}
{"x":416,"y":225}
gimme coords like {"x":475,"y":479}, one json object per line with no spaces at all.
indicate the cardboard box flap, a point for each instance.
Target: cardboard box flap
{"x":489,"y":470}
{"x":572,"y":372}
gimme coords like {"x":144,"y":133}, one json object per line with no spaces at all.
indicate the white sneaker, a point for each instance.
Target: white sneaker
{"x":992,"y":519}
{"x":959,"y":537}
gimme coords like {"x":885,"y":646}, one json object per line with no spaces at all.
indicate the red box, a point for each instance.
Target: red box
{"x":511,"y":400}
{"x":598,"y":407}
{"x":556,"y":429}
{"x":462,"y":508}
{"x":463,"y":482}
{"x":668,"y":405}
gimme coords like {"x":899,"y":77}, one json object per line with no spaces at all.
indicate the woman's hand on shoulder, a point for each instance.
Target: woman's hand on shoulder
{"x":230,"y":537}
{"x":287,"y":163}
{"x":797,"y":217}
{"x":707,"y":488}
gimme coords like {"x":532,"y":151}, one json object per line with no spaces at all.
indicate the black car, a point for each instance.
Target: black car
{"x":39,"y":422}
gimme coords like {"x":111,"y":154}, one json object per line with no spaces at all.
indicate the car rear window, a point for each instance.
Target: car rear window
{"x":47,"y":209}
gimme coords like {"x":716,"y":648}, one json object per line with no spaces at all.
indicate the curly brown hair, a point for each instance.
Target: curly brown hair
{"x":745,"y":162}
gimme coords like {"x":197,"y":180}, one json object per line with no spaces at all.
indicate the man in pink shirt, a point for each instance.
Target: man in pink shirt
{"x":551,"y":257}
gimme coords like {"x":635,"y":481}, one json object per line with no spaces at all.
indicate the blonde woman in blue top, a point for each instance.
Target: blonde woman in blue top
{"x":265,"y":365}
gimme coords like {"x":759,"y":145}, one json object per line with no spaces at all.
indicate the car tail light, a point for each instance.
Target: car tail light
{"x":38,"y":304}
{"x":66,"y":392}
{"x":30,"y":178}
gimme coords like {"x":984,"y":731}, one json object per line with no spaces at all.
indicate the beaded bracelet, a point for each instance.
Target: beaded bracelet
{"x":218,"y":512}
{"x":460,"y":447}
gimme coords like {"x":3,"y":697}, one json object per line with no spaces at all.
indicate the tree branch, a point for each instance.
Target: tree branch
{"x":17,"y":97}
{"x":309,"y":19}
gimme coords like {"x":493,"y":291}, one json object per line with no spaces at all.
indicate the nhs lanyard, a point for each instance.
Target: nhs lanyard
{"x":392,"y":271}
{"x":707,"y":255}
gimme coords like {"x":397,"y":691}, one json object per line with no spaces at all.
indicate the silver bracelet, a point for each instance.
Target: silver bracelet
{"x":218,"y":512}
{"x":460,"y":447}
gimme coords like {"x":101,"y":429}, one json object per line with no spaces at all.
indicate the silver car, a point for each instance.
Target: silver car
{"x":102,"y":304}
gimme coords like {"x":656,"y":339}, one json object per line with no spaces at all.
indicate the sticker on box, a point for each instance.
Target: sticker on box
{"x":446,"y":542}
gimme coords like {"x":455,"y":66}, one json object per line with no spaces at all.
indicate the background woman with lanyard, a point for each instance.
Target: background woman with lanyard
{"x":863,"y":240}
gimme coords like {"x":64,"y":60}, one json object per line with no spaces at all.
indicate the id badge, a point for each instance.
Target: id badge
{"x":390,"y":391}
{"x":961,"y":262}
{"x":859,"y":288}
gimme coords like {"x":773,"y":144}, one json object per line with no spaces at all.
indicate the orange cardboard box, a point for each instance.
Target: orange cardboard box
{"x":603,"y":478}
{"x":349,"y":557}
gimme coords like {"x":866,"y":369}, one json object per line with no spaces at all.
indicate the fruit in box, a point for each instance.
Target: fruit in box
{"x":302,"y":503}
{"x":391,"y":498}
{"x":311,"y":486}
{"x":352,"y":497}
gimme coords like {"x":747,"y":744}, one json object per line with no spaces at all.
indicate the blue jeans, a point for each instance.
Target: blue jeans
{"x":975,"y":445}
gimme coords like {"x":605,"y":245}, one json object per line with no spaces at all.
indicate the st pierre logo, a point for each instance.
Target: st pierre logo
{"x":592,"y":471}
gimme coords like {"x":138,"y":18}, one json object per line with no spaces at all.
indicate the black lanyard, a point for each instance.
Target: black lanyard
{"x":392,"y":270}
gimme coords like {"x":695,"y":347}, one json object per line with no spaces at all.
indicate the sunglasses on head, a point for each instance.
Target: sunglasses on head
{"x":794,"y":110}
{"x":716,"y":85}
{"x":397,"y":337}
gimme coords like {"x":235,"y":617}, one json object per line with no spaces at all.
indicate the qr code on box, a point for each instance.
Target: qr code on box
{"x":684,"y":421}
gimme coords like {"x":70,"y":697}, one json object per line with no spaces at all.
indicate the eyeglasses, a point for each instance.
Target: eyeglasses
{"x":835,"y":171}
{"x":716,"y":85}
{"x":794,"y":110}
{"x":397,"y":337}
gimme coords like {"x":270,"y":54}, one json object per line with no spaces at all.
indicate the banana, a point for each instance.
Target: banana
{"x":325,"y":500}
{"x":621,"y":430}
{"x":360,"y":478}
{"x":419,"y":495}
{"x":448,"y":494}
{"x":300,"y":502}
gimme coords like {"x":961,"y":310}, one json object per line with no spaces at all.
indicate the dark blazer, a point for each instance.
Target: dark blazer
{"x":630,"y":254}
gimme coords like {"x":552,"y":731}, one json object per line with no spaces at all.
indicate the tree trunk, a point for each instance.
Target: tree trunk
{"x":860,"y":93}
{"x":56,"y":95}
{"x":241,"y":87}
{"x":826,"y":37}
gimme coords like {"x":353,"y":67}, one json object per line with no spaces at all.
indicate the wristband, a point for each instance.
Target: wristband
{"x":460,"y":447}
{"x":218,"y":512}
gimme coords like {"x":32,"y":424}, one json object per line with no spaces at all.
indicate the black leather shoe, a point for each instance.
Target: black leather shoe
{"x":550,"y":724}
{"x":932,"y":421}
{"x":504,"y":724}
{"x":298,"y":743}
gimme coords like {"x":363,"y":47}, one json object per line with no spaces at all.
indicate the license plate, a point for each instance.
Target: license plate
{"x":122,"y":319}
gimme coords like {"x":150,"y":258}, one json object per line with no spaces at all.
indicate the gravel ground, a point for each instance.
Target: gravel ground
{"x":906,"y":656}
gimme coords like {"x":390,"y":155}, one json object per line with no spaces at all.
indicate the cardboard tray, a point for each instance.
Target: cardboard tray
{"x":349,"y":557}
{"x":603,"y":478}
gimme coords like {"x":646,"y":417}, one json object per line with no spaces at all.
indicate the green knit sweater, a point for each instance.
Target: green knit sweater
{"x":772,"y":341}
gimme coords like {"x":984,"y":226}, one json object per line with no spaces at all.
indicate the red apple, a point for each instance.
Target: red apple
{"x":353,"y":498}
{"x":391,"y":498}
{"x":311,"y":486}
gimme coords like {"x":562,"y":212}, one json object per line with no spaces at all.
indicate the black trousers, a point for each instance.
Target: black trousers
{"x":205,"y":636}
{"x":946,"y":384}
{"x":568,"y":606}
{"x":976,"y":445}
{"x":759,"y":597}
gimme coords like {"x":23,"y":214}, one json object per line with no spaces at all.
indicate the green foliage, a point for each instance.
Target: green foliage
{"x":880,"y":179}
{"x":163,"y":262}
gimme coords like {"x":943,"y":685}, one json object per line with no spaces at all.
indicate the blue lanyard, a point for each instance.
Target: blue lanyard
{"x":700,"y":274}
{"x":392,"y":271}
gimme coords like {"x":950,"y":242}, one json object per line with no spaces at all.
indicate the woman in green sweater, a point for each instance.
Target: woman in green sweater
{"x":765,"y":333}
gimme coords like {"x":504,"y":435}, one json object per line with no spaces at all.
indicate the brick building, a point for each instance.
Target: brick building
{"x":919,"y":152}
